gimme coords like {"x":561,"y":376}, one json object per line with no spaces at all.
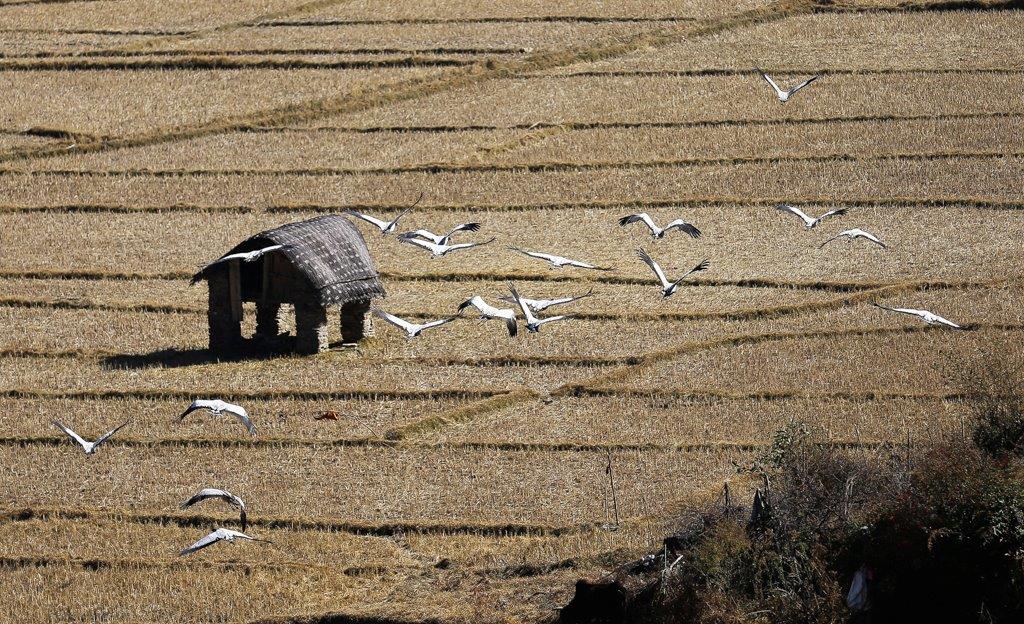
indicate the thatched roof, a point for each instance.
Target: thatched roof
{"x":327,"y":250}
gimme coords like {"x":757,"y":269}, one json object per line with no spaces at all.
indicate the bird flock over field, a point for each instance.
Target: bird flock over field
{"x":440,"y":245}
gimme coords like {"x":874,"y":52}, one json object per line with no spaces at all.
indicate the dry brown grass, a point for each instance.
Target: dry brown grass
{"x":464,"y":479}
{"x":443,"y":485}
{"x":960,"y":40}
{"x":693,"y":98}
{"x":71,"y":100}
{"x":660,"y":419}
{"x":741,"y":242}
{"x":557,"y":147}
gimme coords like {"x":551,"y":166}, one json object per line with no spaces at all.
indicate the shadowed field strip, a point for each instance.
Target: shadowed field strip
{"x":403,"y":90}
{"x":731,"y":315}
{"x":305,"y":395}
{"x":836,"y":286}
{"x":397,"y":441}
{"x":806,"y":71}
{"x":16,"y":563}
{"x":629,"y":125}
{"x":293,"y":524}
{"x":198,"y":53}
{"x":222,"y":63}
{"x":682,"y":202}
{"x":536,"y":167}
{"x":536,"y":19}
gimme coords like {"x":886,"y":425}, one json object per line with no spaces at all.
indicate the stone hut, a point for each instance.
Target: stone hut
{"x":323,"y":262}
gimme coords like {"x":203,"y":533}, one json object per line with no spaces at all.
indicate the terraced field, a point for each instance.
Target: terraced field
{"x":463,"y":477}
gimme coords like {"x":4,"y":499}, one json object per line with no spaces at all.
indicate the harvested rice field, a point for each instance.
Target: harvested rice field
{"x":463,"y":476}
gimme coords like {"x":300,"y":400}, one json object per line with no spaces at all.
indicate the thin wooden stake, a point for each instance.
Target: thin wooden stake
{"x":611,"y":480}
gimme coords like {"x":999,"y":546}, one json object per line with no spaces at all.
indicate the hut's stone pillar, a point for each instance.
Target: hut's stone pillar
{"x":225,"y":327}
{"x":310,"y":328}
{"x":267,"y":324}
{"x":356,"y":324}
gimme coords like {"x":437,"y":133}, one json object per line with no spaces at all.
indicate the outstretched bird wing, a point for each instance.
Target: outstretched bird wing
{"x":585,"y":265}
{"x":832,"y":213}
{"x":537,"y":254}
{"x":803,"y":84}
{"x":71,"y":434}
{"x":702,"y":266}
{"x":438,"y":322}
{"x":202,"y":495}
{"x":527,"y":314}
{"x":198,"y":404}
{"x":768,"y":78}
{"x":643,"y":255}
{"x":874,"y":239}
{"x":212,"y":538}
{"x":470,"y":245}
{"x":945,"y":321}
{"x":394,"y":320}
{"x":796,"y":211}
{"x":463,"y":227}
{"x":836,"y":237}
{"x":419,"y":242}
{"x":106,"y":436}
{"x":382,"y":225}
{"x":641,"y":216}
{"x":424,"y":234}
{"x":560,"y":317}
{"x":684,"y":226}
{"x":243,"y":416}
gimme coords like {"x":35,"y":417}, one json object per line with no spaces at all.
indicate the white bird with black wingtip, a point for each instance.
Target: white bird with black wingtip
{"x":385,"y":227}
{"x":658,"y":232}
{"x":533,"y":323}
{"x":411,"y":329}
{"x":89,"y":447}
{"x":558,"y":262}
{"x":810,"y":222}
{"x":442,"y":239}
{"x":782,"y":94}
{"x":928,"y":317}
{"x":488,"y":312}
{"x":218,"y":407}
{"x":218,"y":494}
{"x":669,"y":288}
{"x":220,"y":535}
{"x":439,"y":249}
{"x":854,"y":234}
{"x":244,"y":256}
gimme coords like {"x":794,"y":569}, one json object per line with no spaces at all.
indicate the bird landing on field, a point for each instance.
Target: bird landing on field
{"x":785,"y":95}
{"x":89,"y":447}
{"x":385,"y":227}
{"x":411,"y":329}
{"x":657,"y":232}
{"x":488,"y":312}
{"x":224,"y":495}
{"x":669,"y":288}
{"x":928,"y":317}
{"x":218,"y":407}
{"x":558,"y":262}
{"x":810,"y":222}
{"x":854,"y":234}
{"x":532,"y":322}
{"x":220,"y":535}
